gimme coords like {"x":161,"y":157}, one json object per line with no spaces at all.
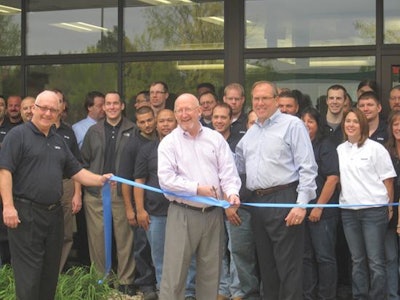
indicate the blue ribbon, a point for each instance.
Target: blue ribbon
{"x":107,"y":215}
{"x":106,"y":193}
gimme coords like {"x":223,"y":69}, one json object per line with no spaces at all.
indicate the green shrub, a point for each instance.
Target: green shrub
{"x":76,"y":284}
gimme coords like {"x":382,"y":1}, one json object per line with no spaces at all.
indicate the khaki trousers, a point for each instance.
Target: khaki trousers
{"x":123,"y":235}
{"x":191,"y":232}
{"x":66,"y":202}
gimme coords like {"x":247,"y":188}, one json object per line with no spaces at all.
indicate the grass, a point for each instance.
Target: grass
{"x":76,"y":284}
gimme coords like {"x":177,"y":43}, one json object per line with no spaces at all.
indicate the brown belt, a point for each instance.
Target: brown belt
{"x":263,"y":192}
{"x":201,"y":209}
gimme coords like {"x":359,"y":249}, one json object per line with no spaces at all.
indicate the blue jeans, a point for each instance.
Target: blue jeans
{"x":319,"y":264}
{"x":229,"y":284}
{"x":156,"y":237}
{"x":365,"y":231}
{"x":392,"y":263}
{"x":243,"y":253}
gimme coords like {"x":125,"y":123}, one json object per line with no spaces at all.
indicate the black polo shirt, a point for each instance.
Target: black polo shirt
{"x":380,"y":135}
{"x":328,"y":164}
{"x":111,"y":133}
{"x":37,"y":163}
{"x":239,"y":126}
{"x":66,"y":132}
{"x":129,"y":153}
{"x":146,"y":167}
{"x":5,"y":127}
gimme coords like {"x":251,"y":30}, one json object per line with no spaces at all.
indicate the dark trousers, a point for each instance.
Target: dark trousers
{"x":279,"y":248}
{"x":36,"y":251}
{"x":145,"y":277}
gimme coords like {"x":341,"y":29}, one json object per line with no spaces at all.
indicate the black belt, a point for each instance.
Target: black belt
{"x":201,"y":209}
{"x":48,"y":207}
{"x":263,"y":192}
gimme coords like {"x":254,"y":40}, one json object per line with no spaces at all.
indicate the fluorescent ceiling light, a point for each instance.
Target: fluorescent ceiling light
{"x":200,"y":67}
{"x":8,"y":10}
{"x":80,"y":27}
{"x":338,"y":63}
{"x":218,"y":20}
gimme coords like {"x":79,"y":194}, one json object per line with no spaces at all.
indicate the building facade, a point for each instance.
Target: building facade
{"x":83,"y":45}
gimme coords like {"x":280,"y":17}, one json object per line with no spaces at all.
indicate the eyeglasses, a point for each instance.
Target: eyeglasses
{"x":263,"y":99}
{"x":46,"y":109}
{"x":157,"y":92}
{"x":185,"y":110}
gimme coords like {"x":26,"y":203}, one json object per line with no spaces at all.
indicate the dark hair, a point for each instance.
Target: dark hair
{"x":370,"y":83}
{"x":391,"y":142}
{"x":336,"y":87}
{"x":369,"y":95}
{"x":364,"y":127}
{"x":144,"y":110}
{"x":224,"y":105}
{"x":315,"y":115}
{"x":146,"y":94}
{"x":209,"y":93}
{"x":288,"y":94}
{"x":207,"y":85}
{"x":89,"y":99}
{"x":165,"y":86}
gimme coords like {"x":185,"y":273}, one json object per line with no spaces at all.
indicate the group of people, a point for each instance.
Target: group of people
{"x":277,"y":158}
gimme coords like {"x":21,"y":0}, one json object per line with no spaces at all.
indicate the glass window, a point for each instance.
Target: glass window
{"x":75,"y":81}
{"x":304,"y":23}
{"x":155,"y":25}
{"x":311,"y":76}
{"x":65,"y":27}
{"x":10,"y":28}
{"x":391,"y":22}
{"x":180,"y":76}
{"x":11,"y":79}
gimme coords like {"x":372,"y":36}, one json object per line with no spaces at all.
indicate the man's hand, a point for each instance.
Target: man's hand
{"x":143,"y":219}
{"x":315,"y":214}
{"x":10,"y":216}
{"x":234,"y":200}
{"x":76,"y":203}
{"x":232,"y":216}
{"x":295,"y":216}
{"x":131,"y":216}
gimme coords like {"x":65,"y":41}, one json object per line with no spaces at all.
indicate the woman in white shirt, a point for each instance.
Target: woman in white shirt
{"x":366,"y":177}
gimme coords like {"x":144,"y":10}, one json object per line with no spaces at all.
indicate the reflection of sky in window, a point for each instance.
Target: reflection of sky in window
{"x":45,"y":38}
{"x":286,"y":23}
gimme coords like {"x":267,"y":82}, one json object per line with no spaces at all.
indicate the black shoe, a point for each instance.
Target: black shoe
{"x":190,"y":298}
{"x":127,"y":289}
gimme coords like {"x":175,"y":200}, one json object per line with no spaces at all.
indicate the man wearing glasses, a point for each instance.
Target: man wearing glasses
{"x":158,"y":96}
{"x":194,"y":160}
{"x":278,"y":159}
{"x":33,"y":160}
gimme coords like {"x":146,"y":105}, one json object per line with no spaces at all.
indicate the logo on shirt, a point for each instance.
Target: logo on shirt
{"x":57,"y":147}
{"x":66,"y":137}
{"x":127,"y":134}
